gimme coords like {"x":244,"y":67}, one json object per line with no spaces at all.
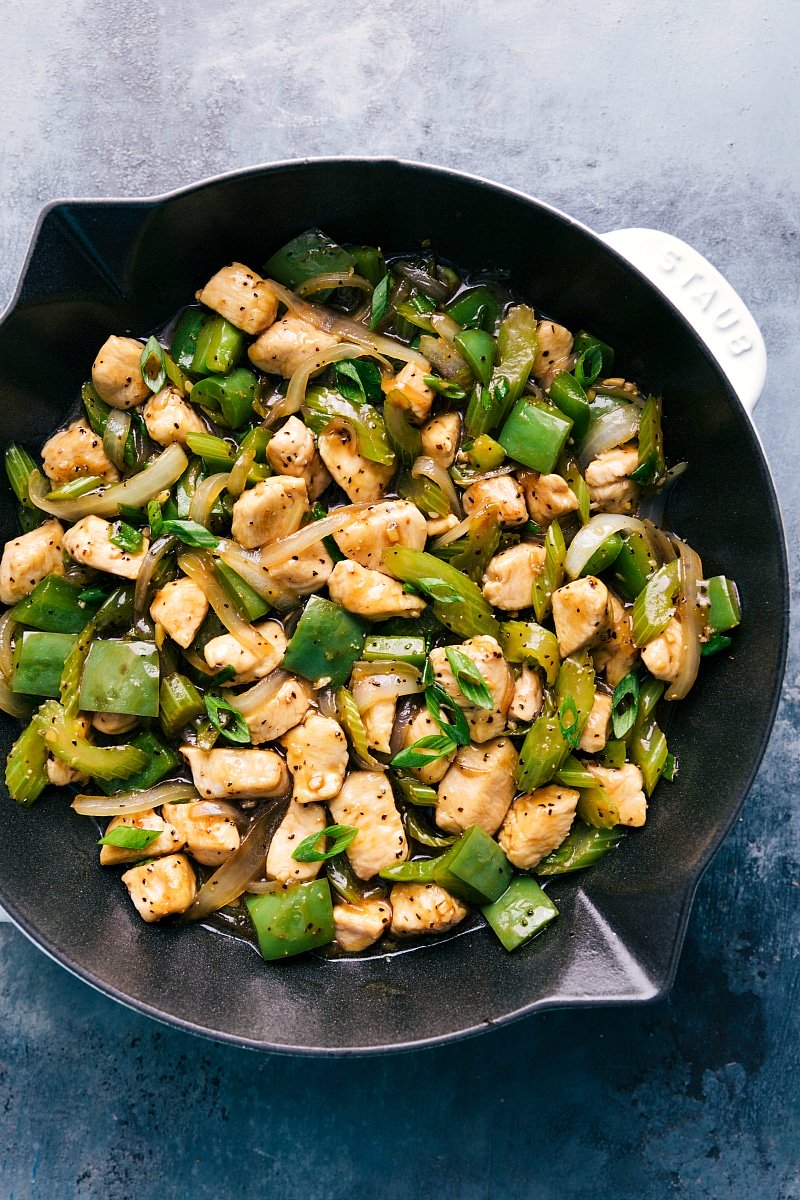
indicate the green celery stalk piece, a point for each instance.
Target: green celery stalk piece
{"x":26,"y":766}
{"x":467,"y":613}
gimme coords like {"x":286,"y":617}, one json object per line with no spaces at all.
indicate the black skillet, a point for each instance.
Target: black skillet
{"x":97,"y":267}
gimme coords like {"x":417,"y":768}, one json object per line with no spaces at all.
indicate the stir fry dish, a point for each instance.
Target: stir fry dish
{"x":345,"y":606}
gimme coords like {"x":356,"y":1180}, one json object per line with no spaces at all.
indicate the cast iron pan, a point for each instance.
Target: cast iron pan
{"x":97,"y":267}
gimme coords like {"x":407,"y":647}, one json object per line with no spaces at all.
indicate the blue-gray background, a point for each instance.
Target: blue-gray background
{"x":626,"y":112}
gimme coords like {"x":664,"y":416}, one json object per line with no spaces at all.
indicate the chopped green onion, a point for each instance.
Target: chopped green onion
{"x":127,"y":837}
{"x":571,"y":729}
{"x":380,"y":302}
{"x":226,"y":719}
{"x":624,"y":705}
{"x":469,"y":679}
{"x":436,"y":699}
{"x":359,"y":380}
{"x":154,"y":367}
{"x":445,"y":387}
{"x":426,"y":750}
{"x":715,"y":644}
{"x":126,"y":537}
{"x":307,"y":851}
{"x":589,"y":365}
{"x":191,"y":533}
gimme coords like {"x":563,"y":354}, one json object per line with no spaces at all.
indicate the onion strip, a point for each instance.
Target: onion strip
{"x":458,"y":531}
{"x":199,"y":567}
{"x":309,"y":535}
{"x":613,"y":428}
{"x":12,"y":704}
{"x":115,"y":436}
{"x":205,"y":497}
{"x":237,"y":480}
{"x":333,"y":279}
{"x":373,"y":682}
{"x":245,"y":864}
{"x":157,"y":477}
{"x":292,"y":402}
{"x":437,"y":474}
{"x":591,"y":536}
{"x":243,"y":563}
{"x":261,"y":693}
{"x":130,"y":803}
{"x":152,"y":558}
{"x":692,"y":620}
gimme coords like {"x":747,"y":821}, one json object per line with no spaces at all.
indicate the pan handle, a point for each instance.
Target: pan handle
{"x":705,"y":298}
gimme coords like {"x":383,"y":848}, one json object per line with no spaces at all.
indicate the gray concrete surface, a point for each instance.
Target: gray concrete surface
{"x":655,"y":113}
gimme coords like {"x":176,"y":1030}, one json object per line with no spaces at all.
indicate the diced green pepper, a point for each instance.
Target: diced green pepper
{"x":368,"y":261}
{"x":39,"y":662}
{"x":228,"y":399}
{"x":520,"y":913}
{"x":475,"y":308}
{"x":604,"y":555}
{"x":478,"y":349}
{"x":399,"y":649}
{"x":324,"y":405}
{"x":180,"y":703}
{"x":474,"y":869}
{"x":551,"y":737}
{"x":183,"y":346}
{"x":586,"y":341}
{"x":486,"y":453}
{"x":535,"y":434}
{"x":292,"y":920}
{"x":161,"y":760}
{"x":568,"y":396}
{"x":527,"y":642}
{"x":246,"y":598}
{"x":724,"y":609}
{"x":582,"y":847}
{"x":633,"y":564}
{"x":326,"y":642}
{"x":310,"y":253}
{"x":121,"y":677}
{"x":219,"y":347}
{"x":55,"y":606}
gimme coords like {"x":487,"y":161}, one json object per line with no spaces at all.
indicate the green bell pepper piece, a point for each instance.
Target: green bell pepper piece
{"x":633,"y":565}
{"x":121,"y":677}
{"x":477,"y":347}
{"x":551,"y":737}
{"x":587,"y":341}
{"x":604,"y":555}
{"x":310,"y":253}
{"x":486,"y":453}
{"x":520,"y":913}
{"x":183,"y":346}
{"x":724,"y":609}
{"x":368,"y":261}
{"x":568,"y":396}
{"x":54,"y":606}
{"x":325,"y":644}
{"x":219,"y":347}
{"x":397,"y":649}
{"x":475,"y":308}
{"x":246,"y":598}
{"x":227,"y":399}
{"x":582,"y":847}
{"x":39,"y":662}
{"x":293,"y":920}
{"x":475,"y":869}
{"x":324,"y":405}
{"x":535,"y":434}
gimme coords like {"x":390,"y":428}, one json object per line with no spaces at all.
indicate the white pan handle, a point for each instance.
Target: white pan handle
{"x":708,"y":302}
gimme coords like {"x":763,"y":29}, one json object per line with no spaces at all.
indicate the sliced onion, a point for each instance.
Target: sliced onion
{"x":613,"y":428}
{"x":159,"y":476}
{"x":333,"y":279}
{"x":422,"y":279}
{"x":265,"y":887}
{"x":309,"y":535}
{"x":12,"y":704}
{"x":446,"y":327}
{"x":295,"y":396}
{"x":437,"y":474}
{"x":155,"y":552}
{"x":237,"y":480}
{"x":591,"y":537}
{"x":245,"y":564}
{"x":326,"y":702}
{"x":659,"y":542}
{"x":115,"y":436}
{"x":200,"y":569}
{"x":205,"y":497}
{"x":7,"y":624}
{"x":130,"y":803}
{"x":372,"y":682}
{"x":246,"y":863}
{"x":261,"y":693}
{"x":692,"y":619}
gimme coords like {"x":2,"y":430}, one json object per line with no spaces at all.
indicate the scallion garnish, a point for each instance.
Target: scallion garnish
{"x":307,"y":850}
{"x":469,"y":679}
{"x":624,"y":705}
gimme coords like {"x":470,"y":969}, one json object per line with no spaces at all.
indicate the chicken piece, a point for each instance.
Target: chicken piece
{"x":114,"y":724}
{"x":595,"y":733}
{"x":487,"y":656}
{"x":440,"y":438}
{"x":509,"y":577}
{"x":616,"y":655}
{"x":291,"y":449}
{"x":662,"y":656}
{"x":117,"y":373}
{"x":579,"y":614}
{"x":553,"y":349}
{"x":88,"y":542}
{"x":74,"y":452}
{"x":169,"y":417}
{"x":223,"y":774}
{"x":607,"y":477}
{"x":281,"y":712}
{"x":423,"y":725}
{"x":370,"y":594}
{"x":356,"y":475}
{"x":504,"y":493}
{"x":227,"y":651}
{"x":60,"y":775}
{"x":210,"y":838}
{"x":436,"y":526}
{"x":317,"y":477}
{"x":180,"y":608}
{"x":241,"y":297}
{"x":168,"y":841}
{"x":424,"y":908}
{"x":366,"y":802}
{"x":536,"y":824}
{"x":478,"y":788}
{"x":27,"y":559}
{"x":625,"y":787}
{"x":548,"y":497}
{"x":378,"y":722}
{"x":316,"y":755}
{"x":361,"y":925}
{"x":299,"y":822}
{"x":393,"y":523}
{"x":305,"y":572}
{"x":414,"y":393}
{"x":528,"y":695}
{"x":271,"y":510}
{"x":161,"y":888}
{"x":288,"y":344}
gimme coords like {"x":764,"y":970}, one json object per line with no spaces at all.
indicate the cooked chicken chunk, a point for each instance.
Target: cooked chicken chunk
{"x":28,"y":558}
{"x":537,"y":824}
{"x":117,"y":373}
{"x":624,"y":785}
{"x":291,"y":449}
{"x":60,"y":775}
{"x":360,"y":478}
{"x":478,"y":788}
{"x":488,"y":658}
{"x":161,"y":888}
{"x":288,"y":344}
{"x":378,"y":725}
{"x":595,"y":733}
{"x":548,"y":497}
{"x":168,"y":841}
{"x":366,"y":802}
{"x":553,"y":348}
{"x":221,"y":774}
{"x":299,"y":822}
{"x":271,"y":510}
{"x":227,"y":651}
{"x":436,"y":526}
{"x":528,"y":695}
{"x":209,"y":837}
{"x":241,"y":297}
{"x":169,"y":417}
{"x":616,"y":655}
{"x":579,"y":614}
{"x":281,"y":712}
{"x":508,"y":582}
{"x":416,"y":396}
{"x":361,"y":925}
{"x":371,"y":594}
{"x":506,"y":495}
{"x":74,"y":452}
{"x":305,"y":572}
{"x":423,"y":725}
{"x":607,"y":476}
{"x":316,"y":755}
{"x":88,"y":542}
{"x":662,"y":656}
{"x":440,"y":438}
{"x":393,"y":523}
{"x":424,"y":908}
{"x":180,"y":608}
{"x":114,"y":724}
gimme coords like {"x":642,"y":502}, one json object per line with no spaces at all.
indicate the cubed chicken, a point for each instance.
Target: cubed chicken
{"x":595,"y":733}
{"x":241,"y":297}
{"x":412,"y":391}
{"x":478,"y":788}
{"x":378,"y":722}
{"x":436,"y":526}
{"x":509,"y":577}
{"x":305,"y":572}
{"x":423,"y":725}
{"x":117,"y":373}
{"x":271,"y":510}
{"x":89,"y":542}
{"x":360,"y":478}
{"x":579,"y":614}
{"x":114,"y":724}
{"x":288,"y":344}
{"x":553,"y":350}
{"x":180,"y":608}
{"x":504,"y":493}
{"x":279,"y":713}
{"x":419,"y":908}
{"x":161,"y":888}
{"x":610,"y":487}
{"x":370,"y":594}
{"x":548,"y":497}
{"x":528,"y":695}
{"x":367,"y":803}
{"x":536,"y":824}
{"x":226,"y":774}
{"x":168,"y":841}
{"x":487,"y":656}
{"x":299,"y":822}
{"x":169,"y":417}
{"x":440,"y":438}
{"x":393,"y":523}
{"x":663,"y":655}
{"x":210,"y":837}
{"x":28,"y":558}
{"x":617,"y":654}
{"x":361,"y":925}
{"x":227,"y":651}
{"x":316,"y":755}
{"x":74,"y":452}
{"x":60,"y":775}
{"x":624,"y":785}
{"x":291,"y":449}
